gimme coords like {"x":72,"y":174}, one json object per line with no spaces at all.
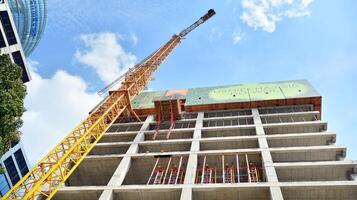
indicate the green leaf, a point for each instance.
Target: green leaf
{"x":12,"y":94}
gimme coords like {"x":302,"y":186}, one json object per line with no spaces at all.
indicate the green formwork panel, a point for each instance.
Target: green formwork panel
{"x":232,"y":93}
{"x":145,"y":99}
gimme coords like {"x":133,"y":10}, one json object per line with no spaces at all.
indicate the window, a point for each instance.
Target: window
{"x":2,"y":41}
{"x":9,"y":31}
{"x":11,"y":170}
{"x":20,"y":62}
{"x":14,"y":143}
{"x":21,"y":162}
{"x":4,"y":185}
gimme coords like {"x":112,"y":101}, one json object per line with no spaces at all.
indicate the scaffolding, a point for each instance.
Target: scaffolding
{"x":173,"y":173}
{"x":229,"y":172}
{"x":166,"y":110}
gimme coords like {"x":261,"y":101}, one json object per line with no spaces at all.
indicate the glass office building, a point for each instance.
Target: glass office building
{"x":30,"y":20}
{"x":15,"y":165}
{"x":4,"y":185}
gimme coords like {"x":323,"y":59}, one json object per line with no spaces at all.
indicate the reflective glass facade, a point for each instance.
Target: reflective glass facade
{"x":11,"y":170}
{"x":30,"y":19}
{"x":15,"y":165}
{"x":4,"y":185}
{"x":21,"y":162}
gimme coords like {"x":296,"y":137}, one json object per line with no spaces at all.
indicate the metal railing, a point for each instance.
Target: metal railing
{"x":228,"y":122}
{"x":291,"y":109}
{"x":227,"y":113}
{"x":289,"y":119}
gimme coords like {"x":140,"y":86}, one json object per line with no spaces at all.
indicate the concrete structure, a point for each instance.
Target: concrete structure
{"x":247,"y":142}
{"x":15,"y":164}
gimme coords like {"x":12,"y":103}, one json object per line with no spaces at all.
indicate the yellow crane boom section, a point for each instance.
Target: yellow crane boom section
{"x":50,"y":174}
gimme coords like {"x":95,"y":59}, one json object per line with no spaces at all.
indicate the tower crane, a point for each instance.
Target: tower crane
{"x":50,"y":173}
{"x":181,"y":35}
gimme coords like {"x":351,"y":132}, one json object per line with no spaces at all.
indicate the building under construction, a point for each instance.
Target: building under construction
{"x":241,"y":142}
{"x":262,"y":141}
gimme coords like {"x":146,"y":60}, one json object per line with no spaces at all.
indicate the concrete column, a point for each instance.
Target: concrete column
{"x":124,"y":165}
{"x":107,"y":195}
{"x":267,"y":161}
{"x":192,"y":159}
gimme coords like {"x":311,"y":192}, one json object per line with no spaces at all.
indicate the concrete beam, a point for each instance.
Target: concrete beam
{"x":350,"y":163}
{"x":72,"y":189}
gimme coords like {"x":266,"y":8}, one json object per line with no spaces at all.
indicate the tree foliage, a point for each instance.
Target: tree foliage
{"x":12,"y":94}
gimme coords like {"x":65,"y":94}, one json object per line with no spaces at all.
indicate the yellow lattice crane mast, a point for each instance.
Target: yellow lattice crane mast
{"x":50,"y":174}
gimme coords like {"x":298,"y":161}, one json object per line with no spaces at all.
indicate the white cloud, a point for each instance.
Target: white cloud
{"x":134,"y":38}
{"x":306,"y":3}
{"x":265,"y":14}
{"x":237,"y":36}
{"x":105,"y":55}
{"x":54,"y":106}
{"x":215,"y":35}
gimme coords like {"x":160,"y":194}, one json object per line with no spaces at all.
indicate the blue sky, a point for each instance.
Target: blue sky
{"x":87,"y":43}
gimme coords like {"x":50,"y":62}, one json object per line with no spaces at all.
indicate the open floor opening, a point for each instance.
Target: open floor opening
{"x":156,"y":170}
{"x":93,"y":172}
{"x":230,"y":168}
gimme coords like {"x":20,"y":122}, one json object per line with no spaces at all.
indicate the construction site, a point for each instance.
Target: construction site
{"x":259,"y":141}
